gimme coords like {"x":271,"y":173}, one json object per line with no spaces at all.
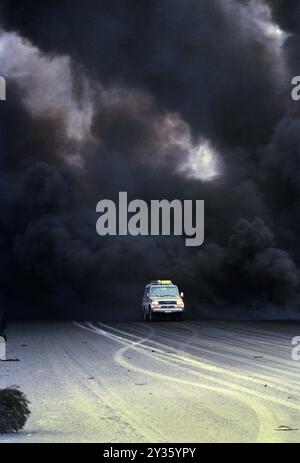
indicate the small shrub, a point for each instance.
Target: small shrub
{"x":14,"y":410}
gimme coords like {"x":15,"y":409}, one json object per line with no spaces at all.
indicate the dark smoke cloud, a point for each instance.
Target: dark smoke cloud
{"x":145,"y":85}
{"x":191,"y":55}
{"x":286,"y":13}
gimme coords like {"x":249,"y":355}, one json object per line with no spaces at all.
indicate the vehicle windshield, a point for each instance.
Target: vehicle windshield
{"x":160,"y":291}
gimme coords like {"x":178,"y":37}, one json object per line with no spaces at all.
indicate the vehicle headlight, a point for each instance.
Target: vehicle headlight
{"x":179,"y":302}
{"x":155,"y":302}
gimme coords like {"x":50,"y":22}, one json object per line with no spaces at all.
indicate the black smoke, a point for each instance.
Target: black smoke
{"x":191,"y":55}
{"x":213,"y":72}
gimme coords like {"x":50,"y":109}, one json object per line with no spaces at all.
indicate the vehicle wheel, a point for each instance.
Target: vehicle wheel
{"x":180,"y":317}
{"x":150,"y":316}
{"x":146,"y":316}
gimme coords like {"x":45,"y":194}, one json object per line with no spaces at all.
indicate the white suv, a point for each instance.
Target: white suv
{"x":162,"y":297}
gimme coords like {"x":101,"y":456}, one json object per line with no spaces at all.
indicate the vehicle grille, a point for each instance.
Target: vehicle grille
{"x":167,"y":302}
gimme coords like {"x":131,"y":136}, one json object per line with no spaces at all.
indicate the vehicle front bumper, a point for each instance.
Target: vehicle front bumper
{"x":167,"y":309}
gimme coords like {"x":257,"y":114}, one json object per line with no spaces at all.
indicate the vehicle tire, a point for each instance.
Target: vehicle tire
{"x":146,"y":316}
{"x":180,"y":317}
{"x":150,"y":316}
